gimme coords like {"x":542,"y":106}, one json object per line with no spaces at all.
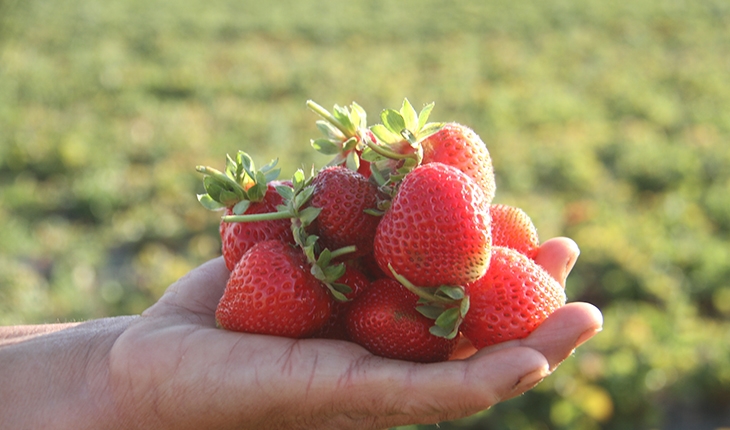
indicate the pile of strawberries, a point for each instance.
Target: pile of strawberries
{"x":394,"y":245}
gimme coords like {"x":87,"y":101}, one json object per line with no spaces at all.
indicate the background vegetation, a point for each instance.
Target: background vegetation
{"x":608,"y":122}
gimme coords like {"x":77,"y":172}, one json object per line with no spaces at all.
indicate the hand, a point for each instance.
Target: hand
{"x":173,"y":369}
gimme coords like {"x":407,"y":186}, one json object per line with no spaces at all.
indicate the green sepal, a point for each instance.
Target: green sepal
{"x":352,"y":161}
{"x":325,"y":146}
{"x":424,"y":114}
{"x":451,"y":292}
{"x":449,"y":322}
{"x":374,"y":212}
{"x":393,"y":120}
{"x":286,"y":192}
{"x":409,"y":115}
{"x":430,"y":311}
{"x":342,"y":288}
{"x":384,"y":134}
{"x":241,"y":207}
{"x":209,"y":203}
{"x":308,"y":215}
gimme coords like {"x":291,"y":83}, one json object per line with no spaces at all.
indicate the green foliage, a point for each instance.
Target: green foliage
{"x":608,"y":122}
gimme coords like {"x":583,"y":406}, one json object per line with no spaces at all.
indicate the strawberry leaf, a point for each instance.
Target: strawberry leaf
{"x":342,"y":288}
{"x":209,"y":203}
{"x":308,"y":215}
{"x":447,"y":324}
{"x":393,"y":120}
{"x":325,"y":146}
{"x":454,"y":293}
{"x":241,"y":207}
{"x":285,"y":191}
{"x":384,"y":134}
{"x":409,"y":115}
{"x":423,"y":116}
{"x":430,"y":311}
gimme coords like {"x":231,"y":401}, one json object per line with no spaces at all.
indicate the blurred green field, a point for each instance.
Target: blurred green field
{"x":608,"y":122}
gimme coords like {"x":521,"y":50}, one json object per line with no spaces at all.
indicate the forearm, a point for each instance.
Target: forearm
{"x":21,"y":333}
{"x":56,"y":376}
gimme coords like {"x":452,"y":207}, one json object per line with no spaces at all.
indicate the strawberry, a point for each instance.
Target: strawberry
{"x":407,"y":136}
{"x":239,"y":237}
{"x":437,"y":229}
{"x":345,"y":131}
{"x":345,"y":198}
{"x":271,"y":291}
{"x":335,"y":328}
{"x":244,"y":190}
{"x":513,"y":228}
{"x":297,"y":211}
{"x":459,"y":146}
{"x":510,"y":300}
{"x":384,"y":321}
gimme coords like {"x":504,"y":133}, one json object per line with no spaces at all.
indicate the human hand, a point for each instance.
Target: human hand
{"x":172,"y":368}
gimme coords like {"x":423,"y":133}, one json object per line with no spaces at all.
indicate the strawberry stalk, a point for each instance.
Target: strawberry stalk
{"x":447,"y":305}
{"x":327,"y":116}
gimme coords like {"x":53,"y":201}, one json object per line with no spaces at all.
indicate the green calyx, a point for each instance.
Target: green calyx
{"x":344,"y":130}
{"x":397,"y":149}
{"x":447,"y":305}
{"x":294,"y":207}
{"x":238,"y":186}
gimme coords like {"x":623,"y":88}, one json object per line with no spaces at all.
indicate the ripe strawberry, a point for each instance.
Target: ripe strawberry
{"x":271,"y":291}
{"x":345,"y":131}
{"x":459,"y":146}
{"x":384,"y":321}
{"x":513,"y":228}
{"x":344,"y":196}
{"x":407,"y":136}
{"x":511,"y":300}
{"x":437,"y":229}
{"x":244,"y":190}
{"x":239,"y":237}
{"x":335,"y":327}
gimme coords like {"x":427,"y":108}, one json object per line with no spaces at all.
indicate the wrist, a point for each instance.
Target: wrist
{"x":59,"y":376}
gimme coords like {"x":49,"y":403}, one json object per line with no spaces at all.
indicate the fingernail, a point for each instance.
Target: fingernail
{"x":530,"y":380}
{"x":583,"y":338}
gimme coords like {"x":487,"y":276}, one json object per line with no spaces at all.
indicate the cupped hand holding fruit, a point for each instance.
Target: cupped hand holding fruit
{"x":192,"y":375}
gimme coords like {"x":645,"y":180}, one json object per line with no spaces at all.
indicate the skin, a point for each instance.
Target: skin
{"x":171,"y":368}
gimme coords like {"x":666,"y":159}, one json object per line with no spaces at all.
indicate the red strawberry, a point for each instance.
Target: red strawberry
{"x":437,"y":229}
{"x":344,"y":196}
{"x":513,"y":228}
{"x":384,"y":321}
{"x":459,"y":146}
{"x":510,"y":301}
{"x":244,"y":190}
{"x":271,"y":291}
{"x":335,"y":328}
{"x":407,"y":136}
{"x":239,"y":237}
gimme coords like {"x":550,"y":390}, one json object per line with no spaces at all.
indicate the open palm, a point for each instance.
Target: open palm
{"x":172,"y":368}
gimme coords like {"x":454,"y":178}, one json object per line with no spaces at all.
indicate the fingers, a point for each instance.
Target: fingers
{"x":566,"y":329}
{"x":401,"y":393}
{"x":558,"y":256}
{"x":198,"y":291}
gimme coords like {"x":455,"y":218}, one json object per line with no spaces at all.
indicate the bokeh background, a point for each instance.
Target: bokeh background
{"x":608,"y":122}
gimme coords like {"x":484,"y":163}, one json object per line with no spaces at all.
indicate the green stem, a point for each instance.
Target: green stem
{"x":217,"y":174}
{"x":388,"y":153}
{"x":420,"y":292}
{"x":325,"y":114}
{"x":342,"y":251}
{"x":268,"y":216}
